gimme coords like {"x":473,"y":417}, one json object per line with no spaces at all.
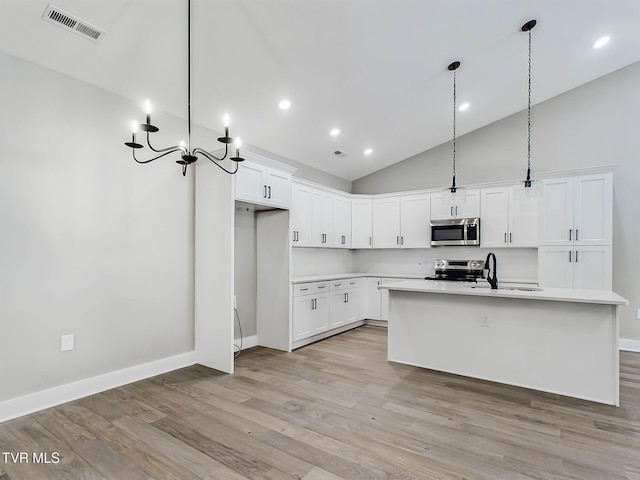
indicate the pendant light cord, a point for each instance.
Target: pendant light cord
{"x":189,"y":75}
{"x":454,"y":129}
{"x":529,"y":116}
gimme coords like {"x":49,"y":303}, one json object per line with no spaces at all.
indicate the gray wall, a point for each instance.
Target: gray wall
{"x":92,"y":243}
{"x":592,"y":125}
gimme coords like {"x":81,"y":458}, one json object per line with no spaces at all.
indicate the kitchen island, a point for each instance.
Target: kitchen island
{"x":562,"y":341}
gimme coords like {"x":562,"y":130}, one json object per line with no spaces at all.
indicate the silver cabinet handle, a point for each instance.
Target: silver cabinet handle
{"x":505,"y":237}
{"x":577,"y":236}
{"x":345,"y":298}
{"x":569,"y":255}
{"x":322,"y":286}
{"x":456,"y":210}
{"x":370,"y":239}
{"x":304,"y":289}
{"x":347,"y":294}
{"x":577,"y":251}
{"x":312,"y":303}
{"x":269,"y":191}
{"x":352,"y":283}
{"x":337,"y":284}
{"x":344,"y":240}
{"x":510,"y":237}
{"x":570,"y":234}
{"x":398,"y":240}
{"x":264,"y":195}
{"x":297,"y":236}
{"x":401,"y":239}
{"x":452,"y":211}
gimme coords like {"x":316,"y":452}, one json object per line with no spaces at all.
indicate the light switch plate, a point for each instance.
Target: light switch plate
{"x":66,"y":343}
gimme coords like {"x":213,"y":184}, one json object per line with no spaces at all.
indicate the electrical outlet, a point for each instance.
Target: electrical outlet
{"x":66,"y":343}
{"x":484,"y":322}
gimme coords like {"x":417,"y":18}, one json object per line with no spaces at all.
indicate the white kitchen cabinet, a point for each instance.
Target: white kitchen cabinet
{"x":577,"y":210}
{"x":301,"y":215}
{"x":321,"y":218}
{"x":343,"y":307}
{"x":415,"y":228}
{"x":585,"y":267}
{"x":361,"y":222}
{"x":310,"y":309}
{"x":263,"y":185}
{"x":467,"y":206}
{"x":386,"y":222}
{"x":341,"y":221}
{"x":370,"y":298}
{"x":508,"y":218}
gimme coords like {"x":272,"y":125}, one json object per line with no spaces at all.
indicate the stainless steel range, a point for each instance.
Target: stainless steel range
{"x":458,"y":270}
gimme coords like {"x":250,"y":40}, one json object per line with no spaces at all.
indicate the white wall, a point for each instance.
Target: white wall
{"x":92,"y":243}
{"x":246,"y":273}
{"x":318,"y":261}
{"x":593,"y":125}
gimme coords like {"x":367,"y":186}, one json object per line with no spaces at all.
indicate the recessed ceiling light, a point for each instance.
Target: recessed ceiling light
{"x":284,"y":104}
{"x":601,"y":42}
{"x":334,"y":132}
{"x":368,"y":151}
{"x":464,"y":106}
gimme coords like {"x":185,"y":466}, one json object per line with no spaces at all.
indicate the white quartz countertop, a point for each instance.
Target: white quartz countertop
{"x":482,"y":290}
{"x":338,"y":276}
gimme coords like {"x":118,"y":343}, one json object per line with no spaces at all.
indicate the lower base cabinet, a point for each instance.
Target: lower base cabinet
{"x":587,"y":267}
{"x":311,"y":315}
{"x":370,"y":298}
{"x":343,"y":308}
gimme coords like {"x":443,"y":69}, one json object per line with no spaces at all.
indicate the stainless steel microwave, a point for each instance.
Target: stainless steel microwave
{"x":455,"y":231}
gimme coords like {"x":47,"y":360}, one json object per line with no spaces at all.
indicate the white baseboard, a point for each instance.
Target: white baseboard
{"x":34,"y":402}
{"x":629,"y":345}
{"x":247,"y":342}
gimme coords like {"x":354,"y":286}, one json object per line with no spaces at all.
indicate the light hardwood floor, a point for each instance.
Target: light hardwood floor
{"x":334,"y":409}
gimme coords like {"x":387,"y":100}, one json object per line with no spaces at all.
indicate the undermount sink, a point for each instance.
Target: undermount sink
{"x":522,"y":289}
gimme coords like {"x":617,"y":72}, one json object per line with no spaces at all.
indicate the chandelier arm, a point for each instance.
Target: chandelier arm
{"x":173,"y":149}
{"x":160,"y":150}
{"x":211,"y":156}
{"x":214,"y":160}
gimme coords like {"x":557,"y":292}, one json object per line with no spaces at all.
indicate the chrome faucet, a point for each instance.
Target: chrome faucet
{"x":492,"y":273}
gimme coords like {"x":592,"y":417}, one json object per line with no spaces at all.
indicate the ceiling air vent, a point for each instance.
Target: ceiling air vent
{"x":339,"y":153}
{"x":59,"y":17}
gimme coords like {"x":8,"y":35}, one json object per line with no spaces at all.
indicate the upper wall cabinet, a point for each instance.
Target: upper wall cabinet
{"x":577,"y":210}
{"x":361,"y":222}
{"x":301,"y":215}
{"x":341,"y":221}
{"x":263,"y":181}
{"x":401,"y":221}
{"x":467,"y":207}
{"x":508,"y":219}
{"x":386,"y":222}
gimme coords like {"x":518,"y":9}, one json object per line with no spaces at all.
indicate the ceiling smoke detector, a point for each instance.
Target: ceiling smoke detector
{"x":59,"y":17}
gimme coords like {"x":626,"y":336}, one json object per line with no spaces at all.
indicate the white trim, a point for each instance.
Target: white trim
{"x":34,"y":402}
{"x":629,"y":344}
{"x":247,"y":342}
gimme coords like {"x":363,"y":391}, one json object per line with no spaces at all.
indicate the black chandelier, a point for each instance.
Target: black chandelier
{"x":189,"y":155}
{"x":527,"y":27}
{"x":453,"y":67}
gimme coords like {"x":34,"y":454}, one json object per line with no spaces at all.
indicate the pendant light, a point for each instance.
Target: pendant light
{"x":531,"y":187}
{"x":188,"y":154}
{"x":454,"y":195}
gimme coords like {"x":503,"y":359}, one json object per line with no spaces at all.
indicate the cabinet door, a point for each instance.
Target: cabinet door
{"x":469,"y":206}
{"x":593,"y":210}
{"x":369,"y":298}
{"x":278,"y":188}
{"x":415,"y":228}
{"x":341,"y":222}
{"x":337,"y":308}
{"x":494,"y":217}
{"x":301,"y":215}
{"x":361,"y":218}
{"x":386,"y":222}
{"x":310,"y":315}
{"x":250,"y":183}
{"x":321,"y":220}
{"x":592,"y":267}
{"x":441,"y":207}
{"x":555,"y":267}
{"x":523,"y":219}
{"x":352,"y":305}
{"x":556,"y":219}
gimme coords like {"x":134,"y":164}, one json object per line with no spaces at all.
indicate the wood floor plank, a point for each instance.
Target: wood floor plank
{"x":335,"y":409}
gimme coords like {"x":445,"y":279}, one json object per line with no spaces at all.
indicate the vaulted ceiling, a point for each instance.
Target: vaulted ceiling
{"x":375,"y":69}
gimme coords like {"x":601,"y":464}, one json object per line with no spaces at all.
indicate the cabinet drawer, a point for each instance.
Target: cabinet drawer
{"x":310,"y":288}
{"x":343,"y":284}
